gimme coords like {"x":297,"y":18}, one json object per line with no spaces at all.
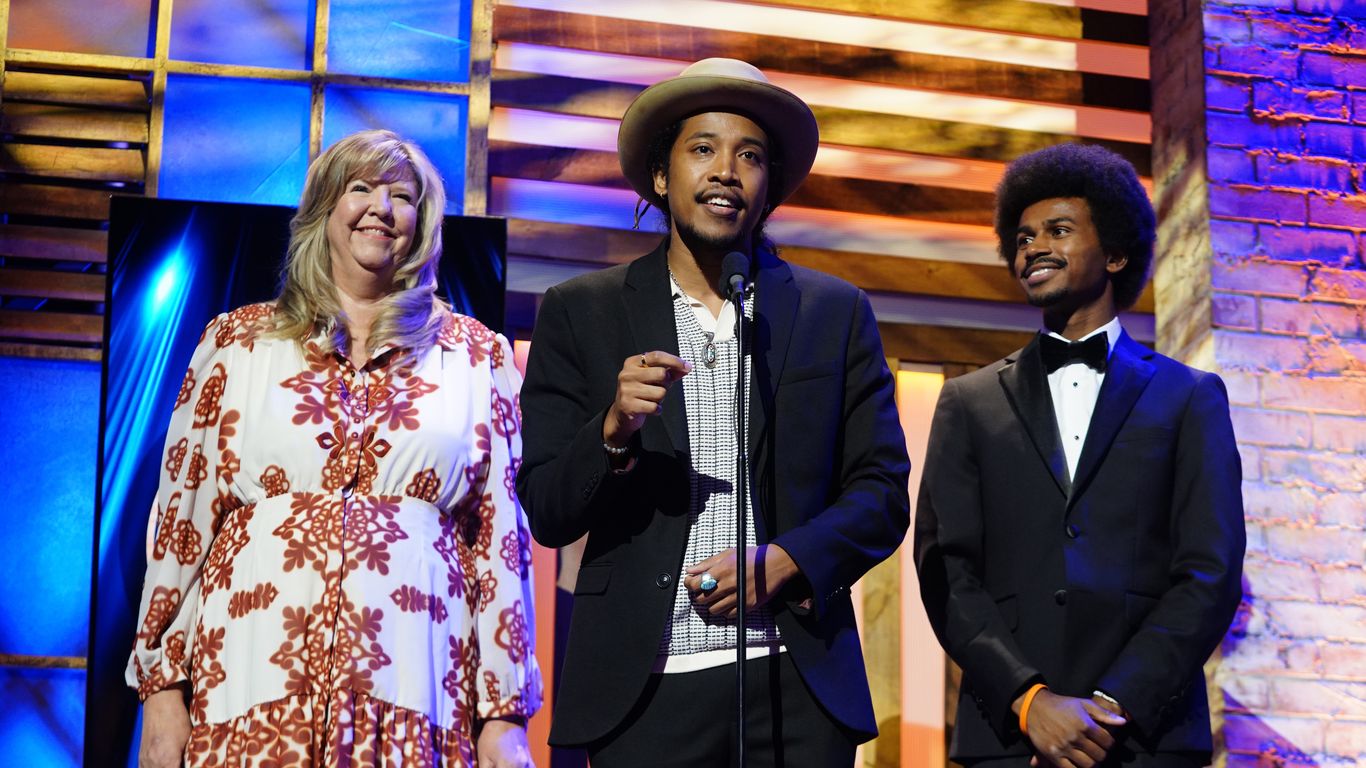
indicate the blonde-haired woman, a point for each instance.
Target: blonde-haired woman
{"x":340,"y":573}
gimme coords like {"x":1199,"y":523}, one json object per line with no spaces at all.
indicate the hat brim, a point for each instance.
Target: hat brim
{"x":781,"y":114}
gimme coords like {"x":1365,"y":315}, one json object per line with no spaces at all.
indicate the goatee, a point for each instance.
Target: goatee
{"x":702,"y":241}
{"x":1053,"y":298}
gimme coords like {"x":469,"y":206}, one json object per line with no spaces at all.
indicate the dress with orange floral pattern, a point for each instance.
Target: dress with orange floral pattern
{"x":340,"y":568}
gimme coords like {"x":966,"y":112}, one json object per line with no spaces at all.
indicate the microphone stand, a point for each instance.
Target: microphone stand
{"x":737,"y":298}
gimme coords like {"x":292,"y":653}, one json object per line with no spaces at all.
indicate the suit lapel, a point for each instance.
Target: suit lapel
{"x":774,"y":314}
{"x":1026,"y":387}
{"x":650,"y":313}
{"x":1127,"y":375}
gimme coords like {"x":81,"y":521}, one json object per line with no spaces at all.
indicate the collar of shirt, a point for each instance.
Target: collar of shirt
{"x":1112,"y":330}
{"x":722,"y":328}
{"x":378,"y":360}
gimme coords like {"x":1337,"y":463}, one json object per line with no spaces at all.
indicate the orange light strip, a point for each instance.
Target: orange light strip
{"x":922,"y":659}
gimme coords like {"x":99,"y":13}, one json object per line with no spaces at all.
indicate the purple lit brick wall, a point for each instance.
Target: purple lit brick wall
{"x":1266,"y":283}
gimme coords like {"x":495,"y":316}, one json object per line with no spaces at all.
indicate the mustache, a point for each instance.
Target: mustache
{"x":726,"y":195}
{"x":1042,"y":261}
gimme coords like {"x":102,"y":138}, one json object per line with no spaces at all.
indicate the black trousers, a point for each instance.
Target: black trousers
{"x":687,"y":720}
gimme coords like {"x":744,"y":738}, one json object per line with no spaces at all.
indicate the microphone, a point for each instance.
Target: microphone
{"x":734,"y":272}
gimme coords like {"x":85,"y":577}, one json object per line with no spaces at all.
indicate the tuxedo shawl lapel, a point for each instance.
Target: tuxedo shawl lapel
{"x":650,"y":313}
{"x":1026,"y":387}
{"x":1127,"y":375}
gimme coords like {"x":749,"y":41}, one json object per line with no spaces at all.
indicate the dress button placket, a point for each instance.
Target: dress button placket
{"x":358,"y":415}
{"x":354,"y":414}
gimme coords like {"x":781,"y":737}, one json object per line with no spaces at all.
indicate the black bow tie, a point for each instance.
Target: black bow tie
{"x":1092,"y":351}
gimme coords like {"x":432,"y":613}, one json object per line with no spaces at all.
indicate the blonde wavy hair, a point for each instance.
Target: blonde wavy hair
{"x":411,"y":316}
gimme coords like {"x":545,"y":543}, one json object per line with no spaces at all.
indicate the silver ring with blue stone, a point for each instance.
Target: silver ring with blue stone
{"x":708,"y":582}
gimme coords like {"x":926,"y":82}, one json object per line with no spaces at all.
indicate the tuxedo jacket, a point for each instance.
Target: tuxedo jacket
{"x":828,"y":465}
{"x":1123,"y":578}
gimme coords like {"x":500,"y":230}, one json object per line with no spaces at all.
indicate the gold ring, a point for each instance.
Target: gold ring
{"x":643,"y":364}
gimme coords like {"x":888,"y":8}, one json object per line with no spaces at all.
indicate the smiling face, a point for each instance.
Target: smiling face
{"x":717,"y":182}
{"x":1059,"y":259}
{"x":371,"y":228}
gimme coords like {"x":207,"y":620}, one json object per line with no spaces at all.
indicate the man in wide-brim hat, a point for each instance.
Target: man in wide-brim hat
{"x":629,"y":423}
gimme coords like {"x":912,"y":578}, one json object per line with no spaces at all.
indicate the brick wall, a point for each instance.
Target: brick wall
{"x":1181,"y":276}
{"x":1273,"y":234}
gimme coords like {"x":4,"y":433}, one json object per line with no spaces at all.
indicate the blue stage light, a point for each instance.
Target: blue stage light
{"x":138,"y":404}
{"x":167,"y":280}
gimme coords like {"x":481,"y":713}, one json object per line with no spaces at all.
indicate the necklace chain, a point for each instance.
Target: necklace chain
{"x":709,"y":352}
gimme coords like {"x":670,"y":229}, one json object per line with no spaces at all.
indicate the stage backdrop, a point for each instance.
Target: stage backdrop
{"x":173,"y":266}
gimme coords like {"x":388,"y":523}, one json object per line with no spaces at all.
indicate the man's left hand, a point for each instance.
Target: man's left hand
{"x":502,"y":744}
{"x":768,"y":568}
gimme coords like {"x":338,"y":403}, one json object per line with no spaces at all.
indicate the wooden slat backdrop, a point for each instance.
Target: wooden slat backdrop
{"x":914,"y":140}
{"x":915,"y":184}
{"x":70,"y":141}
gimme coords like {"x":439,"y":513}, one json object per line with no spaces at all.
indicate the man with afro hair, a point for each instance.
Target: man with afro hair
{"x":1079,"y":532}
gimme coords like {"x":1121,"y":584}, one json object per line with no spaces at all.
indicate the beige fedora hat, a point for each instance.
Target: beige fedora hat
{"x":717,"y":85}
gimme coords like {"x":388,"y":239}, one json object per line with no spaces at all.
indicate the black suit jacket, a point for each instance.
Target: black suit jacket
{"x":1123,"y":579}
{"x":828,"y":462}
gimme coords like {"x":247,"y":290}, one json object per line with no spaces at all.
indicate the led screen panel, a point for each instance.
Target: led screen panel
{"x":114,"y":27}
{"x":260,"y":33}
{"x":437,"y":122}
{"x":50,"y":425}
{"x":235,"y":141}
{"x":41,"y":725}
{"x":408,"y":39}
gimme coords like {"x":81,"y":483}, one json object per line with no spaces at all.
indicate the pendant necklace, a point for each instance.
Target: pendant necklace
{"x":709,"y":355}
{"x":709,"y":351}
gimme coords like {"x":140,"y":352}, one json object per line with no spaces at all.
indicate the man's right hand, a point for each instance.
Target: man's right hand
{"x":1068,"y":731}
{"x":643,"y":382}
{"x":165,"y":729}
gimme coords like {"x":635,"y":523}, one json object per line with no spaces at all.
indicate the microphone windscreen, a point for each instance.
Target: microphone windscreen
{"x":735,"y":264}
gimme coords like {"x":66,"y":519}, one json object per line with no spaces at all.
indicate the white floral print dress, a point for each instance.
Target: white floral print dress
{"x":341,"y":570}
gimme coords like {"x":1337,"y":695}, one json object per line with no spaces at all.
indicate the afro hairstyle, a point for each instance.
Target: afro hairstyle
{"x":1120,"y":210}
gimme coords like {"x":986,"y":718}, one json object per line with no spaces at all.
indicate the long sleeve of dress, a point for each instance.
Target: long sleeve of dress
{"x":509,"y":680}
{"x":196,"y":472}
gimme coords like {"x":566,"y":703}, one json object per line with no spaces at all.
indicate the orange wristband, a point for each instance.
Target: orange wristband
{"x":1024,"y":705}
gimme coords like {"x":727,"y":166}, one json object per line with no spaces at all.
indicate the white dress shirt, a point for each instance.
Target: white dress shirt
{"x":1075,"y":387}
